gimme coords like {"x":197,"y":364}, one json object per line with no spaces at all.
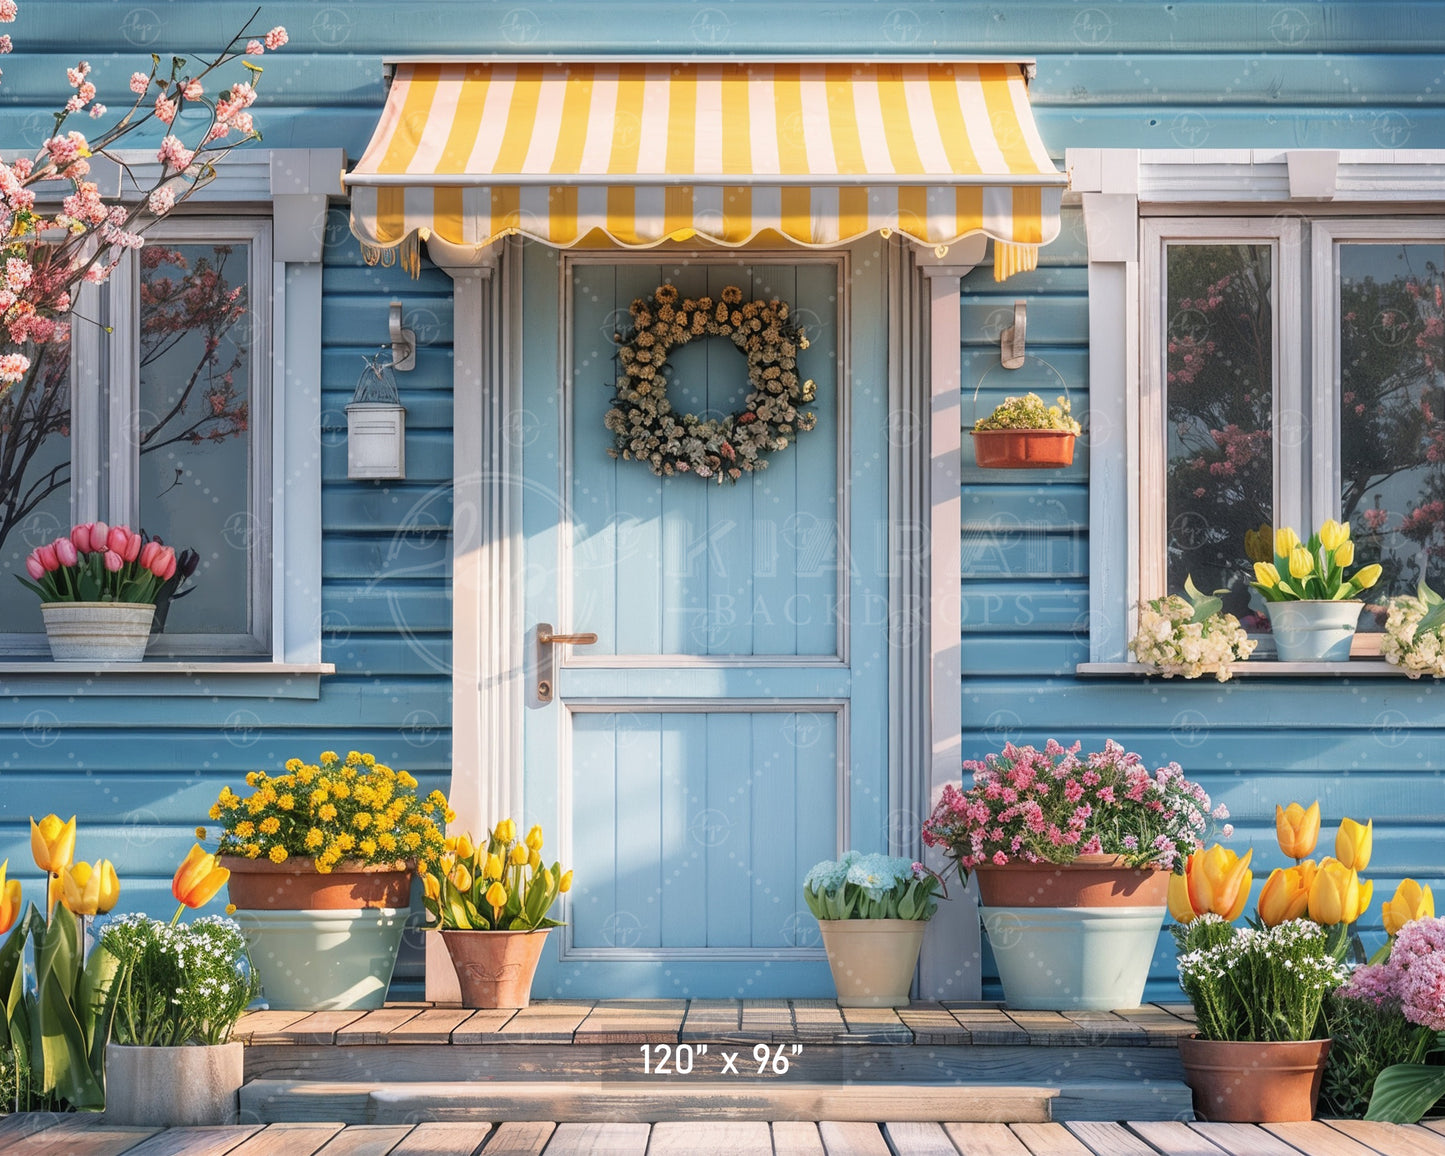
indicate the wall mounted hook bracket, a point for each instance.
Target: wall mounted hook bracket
{"x":403,"y":341}
{"x":1011,"y":340}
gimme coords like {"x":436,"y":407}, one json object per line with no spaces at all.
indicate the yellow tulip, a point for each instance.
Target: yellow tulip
{"x":506,"y":831}
{"x":461,"y":878}
{"x":198,"y":878}
{"x":497,"y":896}
{"x":1368,"y":576}
{"x":1333,"y":535}
{"x":534,"y":839}
{"x":1257,"y":543}
{"x":519,"y":855}
{"x":1285,"y":540}
{"x":80,"y":889}
{"x":109,"y":885}
{"x":431,"y":886}
{"x":460,"y":846}
{"x":1265,"y":574}
{"x":1411,"y":902}
{"x":52,"y":843}
{"x":1297,"y":829}
{"x":1337,"y":895}
{"x":1179,"y":900}
{"x":1301,"y":563}
{"x":1353,"y":843}
{"x":9,"y":900}
{"x":566,"y":884}
{"x":1345,"y":554}
{"x":534,"y":860}
{"x":1284,"y":896}
{"x":493,"y":869}
{"x":1219,"y":881}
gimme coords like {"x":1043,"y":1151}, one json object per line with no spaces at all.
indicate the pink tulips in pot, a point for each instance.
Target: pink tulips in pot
{"x":98,"y":590}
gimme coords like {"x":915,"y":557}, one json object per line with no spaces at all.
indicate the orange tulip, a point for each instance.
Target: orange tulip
{"x":198,"y":878}
{"x":1284,"y":896}
{"x":9,"y":900}
{"x":1297,"y":829}
{"x":1219,"y":881}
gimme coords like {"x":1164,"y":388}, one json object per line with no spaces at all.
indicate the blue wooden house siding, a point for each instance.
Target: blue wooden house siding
{"x":141,"y":771}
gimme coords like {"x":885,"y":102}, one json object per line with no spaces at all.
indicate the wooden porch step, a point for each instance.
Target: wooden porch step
{"x":375,"y":1102}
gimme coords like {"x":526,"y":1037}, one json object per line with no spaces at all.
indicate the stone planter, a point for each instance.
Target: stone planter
{"x":1023,"y":449}
{"x":495,"y":968}
{"x":872,"y":960}
{"x":296,"y":885}
{"x":1314,"y":630}
{"x":173,"y":1087}
{"x":97,"y":631}
{"x":324,"y":960}
{"x":1254,"y":1083}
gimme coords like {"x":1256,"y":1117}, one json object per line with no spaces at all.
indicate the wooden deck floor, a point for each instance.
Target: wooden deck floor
{"x":663,"y":1021}
{"x":89,"y":1136}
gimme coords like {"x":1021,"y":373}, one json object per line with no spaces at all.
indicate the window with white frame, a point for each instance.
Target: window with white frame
{"x":1292,"y":369}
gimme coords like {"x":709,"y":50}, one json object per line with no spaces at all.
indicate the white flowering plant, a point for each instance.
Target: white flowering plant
{"x":178,"y":984}
{"x":1414,"y":638}
{"x":1190,"y":636}
{"x":1265,"y":984}
{"x":1030,"y":412}
{"x":873,"y":886}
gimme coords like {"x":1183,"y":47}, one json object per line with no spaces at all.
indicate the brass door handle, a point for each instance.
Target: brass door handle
{"x":586,"y":639}
{"x":545,"y":685}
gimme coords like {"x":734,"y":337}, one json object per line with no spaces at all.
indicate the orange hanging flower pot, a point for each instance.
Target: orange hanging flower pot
{"x":1023,"y":449}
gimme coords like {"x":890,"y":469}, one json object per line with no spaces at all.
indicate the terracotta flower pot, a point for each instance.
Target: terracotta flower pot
{"x":1254,"y":1083}
{"x":495,"y":968}
{"x":1023,"y":449}
{"x":296,"y":885}
{"x":1089,"y":881}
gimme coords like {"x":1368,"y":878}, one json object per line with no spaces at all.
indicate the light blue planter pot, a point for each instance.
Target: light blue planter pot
{"x":1073,"y":958}
{"x":1314,"y":631}
{"x":324,"y":960}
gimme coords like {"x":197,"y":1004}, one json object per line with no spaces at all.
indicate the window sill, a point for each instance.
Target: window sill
{"x":1265,"y":668}
{"x":236,"y":678}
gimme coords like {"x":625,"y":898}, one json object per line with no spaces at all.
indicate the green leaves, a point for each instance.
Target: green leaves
{"x":1205,"y":605}
{"x":1405,"y":1092}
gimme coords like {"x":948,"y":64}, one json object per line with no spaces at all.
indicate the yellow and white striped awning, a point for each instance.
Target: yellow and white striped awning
{"x":635,"y":154}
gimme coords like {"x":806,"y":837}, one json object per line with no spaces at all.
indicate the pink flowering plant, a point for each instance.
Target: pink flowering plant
{"x":100,"y":563}
{"x":1053,"y":805}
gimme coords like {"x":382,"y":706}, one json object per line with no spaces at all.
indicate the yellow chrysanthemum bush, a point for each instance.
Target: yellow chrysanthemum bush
{"x":352,"y":809}
{"x":499,"y":885}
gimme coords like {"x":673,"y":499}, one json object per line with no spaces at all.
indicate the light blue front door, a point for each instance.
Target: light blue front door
{"x":729,"y":727}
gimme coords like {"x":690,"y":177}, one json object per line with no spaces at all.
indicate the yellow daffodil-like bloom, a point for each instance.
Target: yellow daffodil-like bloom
{"x":497,"y":896}
{"x":9,"y":899}
{"x":1284,"y":896}
{"x":1179,"y":900}
{"x":88,"y":889}
{"x":1219,"y":881}
{"x":506,"y":831}
{"x":518,"y":855}
{"x":199,"y":877}
{"x":1297,"y":829}
{"x":1257,"y":543}
{"x":1333,"y":535}
{"x":534,"y":839}
{"x":52,"y":843}
{"x":1337,"y":894}
{"x":1301,"y":563}
{"x":1411,"y":902}
{"x":1345,"y":554}
{"x":1353,"y":844}
{"x":1368,"y":576}
{"x":1266,"y":574}
{"x":493,"y":869}
{"x":431,"y":886}
{"x":461,"y":877}
{"x":534,"y":860}
{"x":1285,"y":540}
{"x":566,"y":884}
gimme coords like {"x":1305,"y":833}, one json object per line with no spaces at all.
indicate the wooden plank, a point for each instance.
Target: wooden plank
{"x":519,"y":1138}
{"x":78,"y":1136}
{"x":481,"y":1027}
{"x":1184,"y":1011}
{"x":599,"y":1140}
{"x":922,"y":1139}
{"x":1048,"y":1140}
{"x":215,"y":1141}
{"x":852,"y":1139}
{"x":1162,"y":1029}
{"x":985,"y":1139}
{"x":988,"y":1025}
{"x":767,"y":1019}
{"x":1109,"y":1139}
{"x":265,"y":1024}
{"x":1392,"y":1139}
{"x":1318,"y":1139}
{"x":433,"y":1026}
{"x":553,"y":1021}
{"x":1050,"y":1028}
{"x":318,"y":1028}
{"x":932,"y":1023}
{"x":366,"y":1140}
{"x":710,"y":1138}
{"x":287,"y":1140}
{"x":373,"y":1027}
{"x":796,"y":1138}
{"x":642,"y":1021}
{"x":22,"y":1124}
{"x":1243,"y":1140}
{"x":1434,"y":1125}
{"x":1174,"y":1137}
{"x":709,"y":1019}
{"x":443,"y":1139}
{"x":817,"y":1020}
{"x":1108,"y":1028}
{"x":876,"y":1025}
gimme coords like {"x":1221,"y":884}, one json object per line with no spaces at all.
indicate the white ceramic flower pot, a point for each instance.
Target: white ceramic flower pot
{"x":173,"y":1087}
{"x":1073,"y":958}
{"x":872,"y":960}
{"x":324,"y":960}
{"x":1314,"y":630}
{"x":98,"y":631}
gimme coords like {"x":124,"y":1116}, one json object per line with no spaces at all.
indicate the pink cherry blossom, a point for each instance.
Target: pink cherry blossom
{"x":254,"y":48}
{"x":192,"y":90}
{"x":165,"y":108}
{"x":276,"y":38}
{"x":139,"y":82}
{"x":161,"y":200}
{"x":13,"y":367}
{"x":175,"y":154}
{"x":97,"y":111}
